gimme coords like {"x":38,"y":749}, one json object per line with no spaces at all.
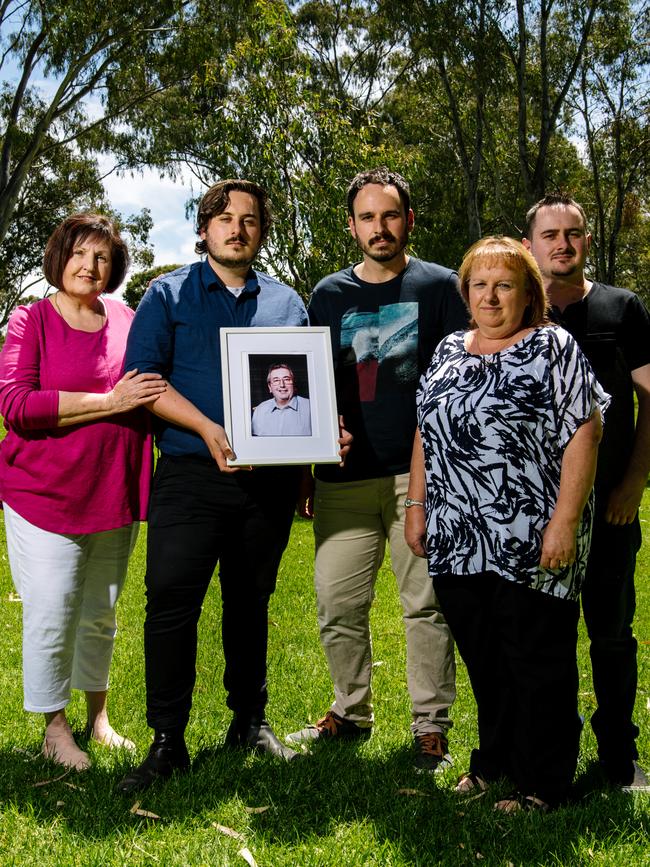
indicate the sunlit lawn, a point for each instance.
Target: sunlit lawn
{"x":346,"y":805}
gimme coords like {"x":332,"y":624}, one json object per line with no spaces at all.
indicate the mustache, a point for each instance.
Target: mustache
{"x":237,"y":240}
{"x":385,"y":236}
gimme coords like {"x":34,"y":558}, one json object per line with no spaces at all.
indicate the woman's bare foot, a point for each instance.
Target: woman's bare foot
{"x":60,"y":746}
{"x":108,"y":737}
{"x":98,"y":727}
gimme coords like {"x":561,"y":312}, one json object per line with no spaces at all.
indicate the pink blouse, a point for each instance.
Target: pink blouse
{"x":84,"y":478}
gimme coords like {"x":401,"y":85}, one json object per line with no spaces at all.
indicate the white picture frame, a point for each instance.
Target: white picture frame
{"x":246,"y":356}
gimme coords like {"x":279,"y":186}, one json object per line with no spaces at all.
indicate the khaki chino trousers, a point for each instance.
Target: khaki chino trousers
{"x":352,"y":523}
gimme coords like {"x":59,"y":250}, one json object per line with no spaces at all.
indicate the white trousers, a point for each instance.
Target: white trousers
{"x":69,"y":585}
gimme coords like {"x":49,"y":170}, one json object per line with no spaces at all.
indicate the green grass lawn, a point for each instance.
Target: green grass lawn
{"x":346,"y":805}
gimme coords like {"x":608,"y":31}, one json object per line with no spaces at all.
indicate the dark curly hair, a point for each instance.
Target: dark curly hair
{"x":385,"y":177}
{"x":216,"y":200}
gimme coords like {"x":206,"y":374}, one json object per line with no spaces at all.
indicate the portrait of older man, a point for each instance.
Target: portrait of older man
{"x":285,"y":414}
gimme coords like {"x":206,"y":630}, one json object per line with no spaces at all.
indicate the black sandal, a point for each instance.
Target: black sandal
{"x":517,"y":803}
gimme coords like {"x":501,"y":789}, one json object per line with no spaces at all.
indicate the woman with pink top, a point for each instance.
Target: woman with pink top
{"x":74,"y":475}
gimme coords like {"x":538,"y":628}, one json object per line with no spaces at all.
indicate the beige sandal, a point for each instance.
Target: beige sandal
{"x":469,"y":783}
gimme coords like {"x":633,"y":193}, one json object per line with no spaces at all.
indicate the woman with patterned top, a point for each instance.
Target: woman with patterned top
{"x":509,"y":418}
{"x":75,"y":468}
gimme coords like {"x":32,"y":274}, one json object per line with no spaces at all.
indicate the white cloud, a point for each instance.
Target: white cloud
{"x":172,"y":234}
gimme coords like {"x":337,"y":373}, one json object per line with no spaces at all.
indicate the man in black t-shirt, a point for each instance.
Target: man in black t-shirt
{"x":386,"y":314}
{"x":612,"y":327}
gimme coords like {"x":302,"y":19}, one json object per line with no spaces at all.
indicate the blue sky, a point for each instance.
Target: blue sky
{"x":172,"y":235}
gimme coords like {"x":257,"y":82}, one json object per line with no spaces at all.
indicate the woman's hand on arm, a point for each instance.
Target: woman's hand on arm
{"x":576,"y":481}
{"x":133,"y":390}
{"x":415,"y":528}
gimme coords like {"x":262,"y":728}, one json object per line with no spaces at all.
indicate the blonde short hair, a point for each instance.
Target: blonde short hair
{"x":501,"y":250}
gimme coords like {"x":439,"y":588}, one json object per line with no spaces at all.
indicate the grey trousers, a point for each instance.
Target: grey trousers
{"x":352,"y":523}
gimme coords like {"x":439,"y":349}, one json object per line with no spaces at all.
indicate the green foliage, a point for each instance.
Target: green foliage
{"x":293,"y":105}
{"x":109,"y":51}
{"x":139,"y":283}
{"x":59,"y":183}
{"x":612,"y":107}
{"x":482,"y":105}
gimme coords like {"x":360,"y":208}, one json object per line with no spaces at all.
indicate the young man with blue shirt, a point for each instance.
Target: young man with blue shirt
{"x":202,"y":511}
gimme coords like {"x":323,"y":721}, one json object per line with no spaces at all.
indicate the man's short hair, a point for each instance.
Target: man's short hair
{"x":383,"y":176}
{"x":277,"y":367}
{"x":552,"y":200}
{"x":216,"y":200}
{"x":76,"y":229}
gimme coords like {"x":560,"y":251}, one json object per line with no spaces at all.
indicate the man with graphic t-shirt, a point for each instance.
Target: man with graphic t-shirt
{"x":386,"y":316}
{"x":612,"y":327}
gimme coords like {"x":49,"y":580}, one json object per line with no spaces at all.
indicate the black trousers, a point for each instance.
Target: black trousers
{"x":199,"y":516}
{"x":519,"y":646}
{"x":608,"y":604}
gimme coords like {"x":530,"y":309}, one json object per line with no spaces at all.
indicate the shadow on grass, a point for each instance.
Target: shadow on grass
{"x":312,"y":801}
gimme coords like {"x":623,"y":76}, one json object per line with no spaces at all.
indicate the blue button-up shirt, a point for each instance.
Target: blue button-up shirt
{"x":291,"y":420}
{"x":175,"y":332}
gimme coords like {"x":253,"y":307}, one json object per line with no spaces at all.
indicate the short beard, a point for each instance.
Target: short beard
{"x":386,"y":255}
{"x":235,"y":260}
{"x":561,"y":274}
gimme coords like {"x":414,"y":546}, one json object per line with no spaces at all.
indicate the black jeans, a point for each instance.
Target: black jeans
{"x":519,"y":646}
{"x":199,"y":516}
{"x":608,"y":605}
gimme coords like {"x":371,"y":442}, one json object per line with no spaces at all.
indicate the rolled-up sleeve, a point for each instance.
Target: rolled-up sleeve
{"x":23,"y":405}
{"x":150,"y":343}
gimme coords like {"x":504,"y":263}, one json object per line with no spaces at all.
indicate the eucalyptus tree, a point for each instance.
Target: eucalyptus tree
{"x":294,"y":104}
{"x":612,"y":101}
{"x":71,"y":72}
{"x":456,"y":56}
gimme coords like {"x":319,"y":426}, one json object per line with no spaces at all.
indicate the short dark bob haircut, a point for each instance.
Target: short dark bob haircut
{"x":216,"y":200}
{"x":383,"y":176}
{"x":75,"y":230}
{"x":498,"y":250}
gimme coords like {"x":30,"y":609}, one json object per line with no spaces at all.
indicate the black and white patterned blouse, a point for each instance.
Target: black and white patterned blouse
{"x":494,"y":429}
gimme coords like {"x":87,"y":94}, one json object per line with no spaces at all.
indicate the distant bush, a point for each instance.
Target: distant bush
{"x":139,"y":283}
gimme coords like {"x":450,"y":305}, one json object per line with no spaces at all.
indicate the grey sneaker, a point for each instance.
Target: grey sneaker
{"x":332,"y":726}
{"x":640,"y":781}
{"x":431,"y":752}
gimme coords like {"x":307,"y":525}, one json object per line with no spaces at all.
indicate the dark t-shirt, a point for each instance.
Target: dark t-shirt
{"x":612,"y":327}
{"x":383,"y":337}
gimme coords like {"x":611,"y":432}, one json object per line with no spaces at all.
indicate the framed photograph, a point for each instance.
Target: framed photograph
{"x":279,"y":398}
